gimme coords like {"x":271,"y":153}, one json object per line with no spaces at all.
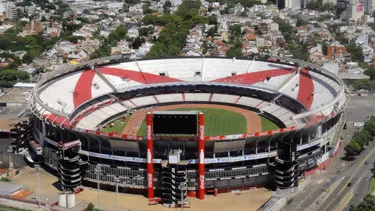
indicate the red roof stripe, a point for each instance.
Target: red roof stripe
{"x":254,"y":77}
{"x":82,"y":90}
{"x":141,"y":77}
{"x":306,"y":88}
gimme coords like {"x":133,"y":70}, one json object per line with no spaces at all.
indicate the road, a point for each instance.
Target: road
{"x":357,"y":110}
{"x":339,"y":195}
{"x":358,"y":176}
{"x":321,"y":181}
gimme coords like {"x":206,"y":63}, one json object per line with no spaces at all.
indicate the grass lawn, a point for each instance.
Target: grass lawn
{"x":372,"y":188}
{"x":217,"y":122}
{"x":4,"y":208}
{"x":118,"y":126}
{"x":268,"y":124}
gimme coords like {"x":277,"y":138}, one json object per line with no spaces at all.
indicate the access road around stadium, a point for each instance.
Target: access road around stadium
{"x":340,"y":197}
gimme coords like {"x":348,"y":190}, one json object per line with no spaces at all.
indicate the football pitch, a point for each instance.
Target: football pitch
{"x":217,"y":122}
{"x":4,"y":208}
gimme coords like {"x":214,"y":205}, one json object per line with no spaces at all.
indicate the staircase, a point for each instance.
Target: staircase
{"x":174,"y":176}
{"x":173,"y":181}
{"x":287,"y":173}
{"x":69,"y":172}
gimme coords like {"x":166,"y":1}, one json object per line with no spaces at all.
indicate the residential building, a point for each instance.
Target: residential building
{"x":10,"y":10}
{"x":293,"y":4}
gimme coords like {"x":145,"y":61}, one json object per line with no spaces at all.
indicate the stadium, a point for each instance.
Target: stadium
{"x":214,"y":124}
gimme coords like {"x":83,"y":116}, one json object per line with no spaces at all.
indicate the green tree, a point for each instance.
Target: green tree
{"x":355,"y":52}
{"x":132,"y":2}
{"x":370,"y":126}
{"x":90,"y":207}
{"x":121,"y":31}
{"x":145,"y":31}
{"x":173,"y":37}
{"x":149,"y":19}
{"x":212,"y":20}
{"x":368,"y":204}
{"x":235,"y":30}
{"x":363,"y":84}
{"x":352,"y":149}
{"x":137,"y":43}
{"x":370,"y":71}
{"x":5,"y":179}
{"x":301,"y":22}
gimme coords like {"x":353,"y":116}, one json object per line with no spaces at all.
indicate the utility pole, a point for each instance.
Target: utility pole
{"x":38,"y":181}
{"x":117,"y":180}
{"x":98,"y":171}
{"x":183,"y":187}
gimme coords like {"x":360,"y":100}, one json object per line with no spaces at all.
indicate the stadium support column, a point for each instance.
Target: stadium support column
{"x":201,"y":189}
{"x":150,"y":163}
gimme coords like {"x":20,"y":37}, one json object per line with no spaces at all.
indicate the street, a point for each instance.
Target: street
{"x":339,"y":196}
{"x":353,"y":181}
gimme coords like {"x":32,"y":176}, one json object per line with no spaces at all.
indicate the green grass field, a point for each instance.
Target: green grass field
{"x":268,"y":124}
{"x":217,"y":122}
{"x":118,"y":126}
{"x":372,"y":187}
{"x":4,"y":208}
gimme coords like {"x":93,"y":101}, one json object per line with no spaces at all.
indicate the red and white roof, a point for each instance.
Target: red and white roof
{"x":66,"y":93}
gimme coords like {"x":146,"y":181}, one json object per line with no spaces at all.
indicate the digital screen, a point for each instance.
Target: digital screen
{"x":175,"y":124}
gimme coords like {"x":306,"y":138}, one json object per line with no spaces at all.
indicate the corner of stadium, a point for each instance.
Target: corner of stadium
{"x":246,"y":123}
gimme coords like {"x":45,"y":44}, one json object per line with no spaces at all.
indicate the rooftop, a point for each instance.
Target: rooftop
{"x":16,"y":95}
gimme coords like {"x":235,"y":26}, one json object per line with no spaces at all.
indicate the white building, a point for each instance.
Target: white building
{"x":9,"y":8}
{"x":293,"y":4}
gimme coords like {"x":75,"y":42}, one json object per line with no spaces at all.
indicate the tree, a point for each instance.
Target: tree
{"x":146,"y":9}
{"x":145,"y":31}
{"x":368,"y":204}
{"x":355,"y":52}
{"x":121,"y":31}
{"x":363,"y":135}
{"x":370,"y":126}
{"x":212,"y":20}
{"x":132,"y":2}
{"x":370,"y":71}
{"x":75,"y":39}
{"x":324,"y":48}
{"x":125,"y":8}
{"x":301,"y":22}
{"x":149,"y":19}
{"x":168,"y":4}
{"x":352,"y":149}
{"x":235,"y":30}
{"x":137,"y":43}
{"x":27,"y":58}
{"x":235,"y":52}
{"x":5,"y":179}
{"x":363,"y":84}
{"x":173,"y":37}
{"x":243,"y":14}
{"x":90,"y":207}
{"x":211,"y":32}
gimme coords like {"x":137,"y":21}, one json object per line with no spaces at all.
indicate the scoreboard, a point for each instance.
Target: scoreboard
{"x":175,"y":122}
